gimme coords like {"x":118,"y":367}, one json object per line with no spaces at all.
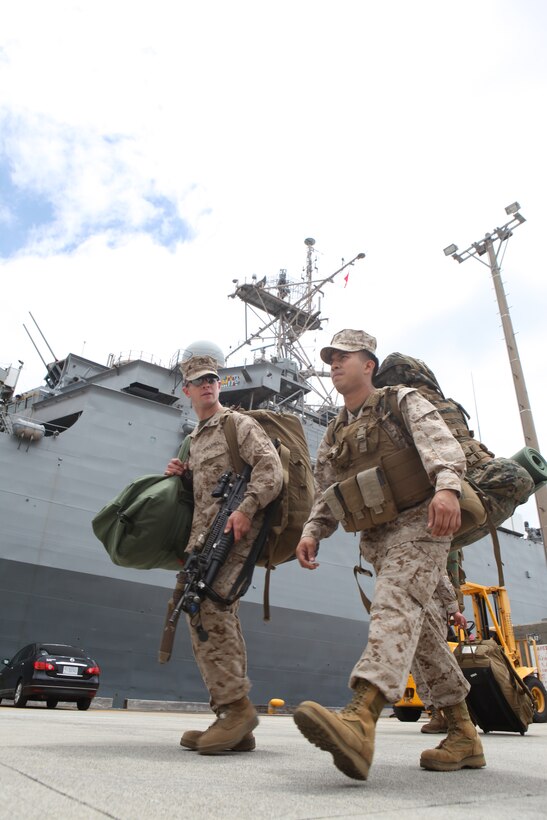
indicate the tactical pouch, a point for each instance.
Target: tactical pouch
{"x":407,"y":477}
{"x":362,"y":501}
{"x":472,"y":509}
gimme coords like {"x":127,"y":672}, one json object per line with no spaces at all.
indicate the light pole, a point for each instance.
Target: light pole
{"x":477,"y":250}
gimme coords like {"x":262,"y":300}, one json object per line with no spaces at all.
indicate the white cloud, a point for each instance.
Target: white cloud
{"x":393,"y":129}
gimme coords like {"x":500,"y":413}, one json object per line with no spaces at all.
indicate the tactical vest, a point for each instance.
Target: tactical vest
{"x":378,"y":469}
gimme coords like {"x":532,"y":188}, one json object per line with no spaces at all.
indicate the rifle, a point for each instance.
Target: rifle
{"x":204,"y":563}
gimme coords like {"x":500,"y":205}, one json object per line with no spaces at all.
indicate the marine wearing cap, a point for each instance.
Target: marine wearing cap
{"x":349,"y":341}
{"x":197,"y":366}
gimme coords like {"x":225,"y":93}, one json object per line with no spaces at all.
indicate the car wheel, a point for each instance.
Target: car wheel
{"x":407,"y":714}
{"x":51,"y":703}
{"x":18,"y":699}
{"x":83,"y":704}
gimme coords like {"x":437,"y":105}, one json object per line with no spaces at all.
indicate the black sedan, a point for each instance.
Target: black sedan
{"x":50,"y":672}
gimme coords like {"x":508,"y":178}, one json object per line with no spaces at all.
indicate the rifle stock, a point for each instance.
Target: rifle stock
{"x":169,"y":629}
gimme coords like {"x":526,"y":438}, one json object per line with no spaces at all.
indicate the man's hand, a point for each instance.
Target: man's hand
{"x":460,"y":620}
{"x":444,"y":514}
{"x":176,"y":467}
{"x":239,"y":523}
{"x":306,"y":552}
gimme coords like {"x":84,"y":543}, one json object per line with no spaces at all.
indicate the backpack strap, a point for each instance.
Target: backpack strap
{"x":360,"y":570}
{"x":231,"y":437}
{"x":492,"y":529}
{"x":184,"y":451}
{"x":244,"y":579}
{"x":334,"y":425}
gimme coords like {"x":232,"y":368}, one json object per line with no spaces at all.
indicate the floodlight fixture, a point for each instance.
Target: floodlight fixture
{"x":450,"y":249}
{"x":479,"y":249}
{"x":512,"y":208}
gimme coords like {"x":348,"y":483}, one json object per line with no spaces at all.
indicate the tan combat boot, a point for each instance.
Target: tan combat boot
{"x":349,"y":734}
{"x":462,"y":748}
{"x":235,"y":721}
{"x":437,"y":724}
{"x":190,"y":741}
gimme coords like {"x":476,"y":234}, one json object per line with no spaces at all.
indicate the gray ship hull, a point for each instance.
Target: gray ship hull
{"x":106,"y":426}
{"x":295,"y":656}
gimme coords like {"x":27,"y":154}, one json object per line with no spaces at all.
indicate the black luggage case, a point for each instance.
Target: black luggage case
{"x":498,"y":700}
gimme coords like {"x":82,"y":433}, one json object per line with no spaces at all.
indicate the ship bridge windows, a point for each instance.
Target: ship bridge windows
{"x":145,"y":391}
{"x":57,"y":426}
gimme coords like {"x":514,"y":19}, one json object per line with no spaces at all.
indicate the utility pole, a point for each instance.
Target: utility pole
{"x":476,"y":250}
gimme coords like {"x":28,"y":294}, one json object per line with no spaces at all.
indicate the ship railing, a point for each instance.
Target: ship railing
{"x":176,"y":359}
{"x":132,"y":356}
{"x":5,"y":421}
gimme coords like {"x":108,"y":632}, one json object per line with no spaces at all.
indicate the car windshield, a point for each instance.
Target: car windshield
{"x":61,"y":649}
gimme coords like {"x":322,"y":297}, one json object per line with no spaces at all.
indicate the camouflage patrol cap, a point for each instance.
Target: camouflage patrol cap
{"x":197,"y":366}
{"x":349,"y":341}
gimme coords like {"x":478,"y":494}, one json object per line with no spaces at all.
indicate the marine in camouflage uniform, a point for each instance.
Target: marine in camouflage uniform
{"x":444,"y":605}
{"x":502,"y":483}
{"x":409,"y":555}
{"x":222,"y":659}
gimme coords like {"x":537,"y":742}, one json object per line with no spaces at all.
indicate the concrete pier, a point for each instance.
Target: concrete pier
{"x":128,"y":764}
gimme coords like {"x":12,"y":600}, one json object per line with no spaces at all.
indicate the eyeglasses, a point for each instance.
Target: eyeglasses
{"x":203,"y":380}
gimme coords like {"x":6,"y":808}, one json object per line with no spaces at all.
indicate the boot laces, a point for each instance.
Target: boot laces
{"x":358,"y":701}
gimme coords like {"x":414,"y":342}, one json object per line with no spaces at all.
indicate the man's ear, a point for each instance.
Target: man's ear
{"x":186,"y":391}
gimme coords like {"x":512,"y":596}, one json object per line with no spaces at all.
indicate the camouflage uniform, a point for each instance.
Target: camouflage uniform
{"x":408,"y":562}
{"x":443,"y":604}
{"x":222,"y":659}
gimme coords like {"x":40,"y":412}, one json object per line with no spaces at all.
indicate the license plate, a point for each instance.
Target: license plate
{"x":70,"y":670}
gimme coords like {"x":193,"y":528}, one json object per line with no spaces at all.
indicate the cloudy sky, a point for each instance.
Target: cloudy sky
{"x":152,"y":152}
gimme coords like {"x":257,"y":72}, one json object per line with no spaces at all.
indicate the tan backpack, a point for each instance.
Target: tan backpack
{"x":292,"y":507}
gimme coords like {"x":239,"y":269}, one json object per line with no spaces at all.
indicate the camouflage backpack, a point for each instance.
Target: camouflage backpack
{"x":502,"y":483}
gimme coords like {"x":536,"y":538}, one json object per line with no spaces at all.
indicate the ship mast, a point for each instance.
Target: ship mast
{"x":309,"y":270}
{"x":292,"y":311}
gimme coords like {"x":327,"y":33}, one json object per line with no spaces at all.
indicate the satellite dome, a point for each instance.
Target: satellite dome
{"x":204,"y":348}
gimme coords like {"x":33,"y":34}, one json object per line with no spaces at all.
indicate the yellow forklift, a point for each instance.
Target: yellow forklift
{"x":492,"y":614}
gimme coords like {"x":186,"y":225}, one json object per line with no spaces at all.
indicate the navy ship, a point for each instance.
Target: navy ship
{"x":69,"y":446}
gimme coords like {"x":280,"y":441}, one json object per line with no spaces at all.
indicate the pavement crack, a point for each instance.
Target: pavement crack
{"x":58,"y":791}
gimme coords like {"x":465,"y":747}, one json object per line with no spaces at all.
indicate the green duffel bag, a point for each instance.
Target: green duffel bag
{"x":147,"y":526}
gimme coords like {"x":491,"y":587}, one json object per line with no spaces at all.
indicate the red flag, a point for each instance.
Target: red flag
{"x":346,"y":277}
